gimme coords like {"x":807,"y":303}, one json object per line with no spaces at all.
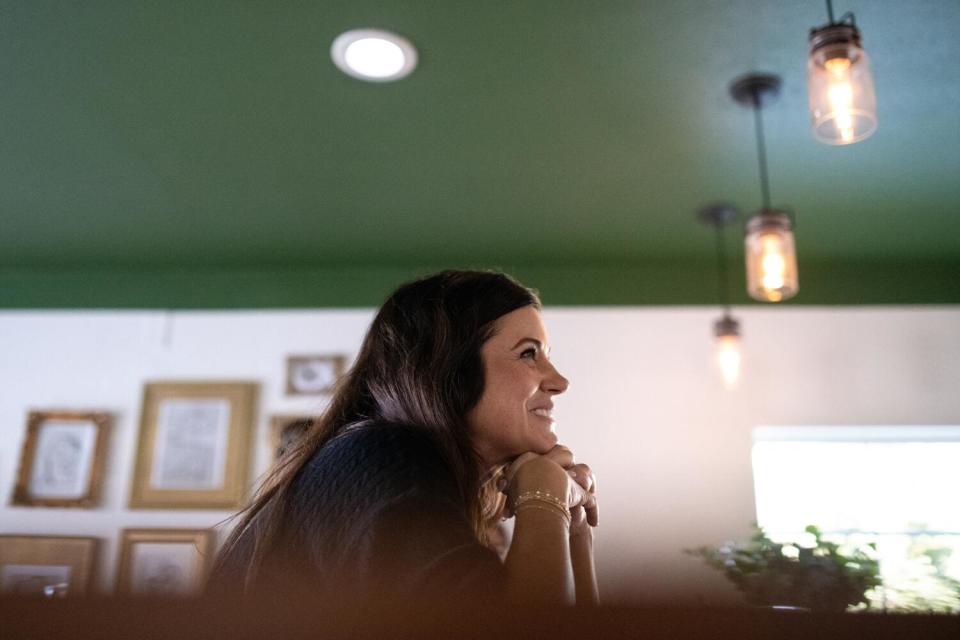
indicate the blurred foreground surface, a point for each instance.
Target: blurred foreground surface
{"x":34,"y":618}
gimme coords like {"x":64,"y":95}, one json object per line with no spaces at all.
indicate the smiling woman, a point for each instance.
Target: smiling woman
{"x":514,"y":414}
{"x":442,"y":426}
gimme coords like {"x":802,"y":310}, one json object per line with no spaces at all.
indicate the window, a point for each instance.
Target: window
{"x":896,"y":486}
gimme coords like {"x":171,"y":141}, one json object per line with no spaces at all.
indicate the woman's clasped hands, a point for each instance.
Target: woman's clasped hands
{"x":557,"y":474}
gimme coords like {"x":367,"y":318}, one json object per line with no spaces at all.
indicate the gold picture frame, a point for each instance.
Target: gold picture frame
{"x":311,"y":375}
{"x":164,"y":562}
{"x":285,"y":431}
{"x":47,"y":565}
{"x":194,"y":445}
{"x":61,"y":462}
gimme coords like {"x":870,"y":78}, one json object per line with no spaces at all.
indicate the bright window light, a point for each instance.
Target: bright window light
{"x":890,"y":485}
{"x":374,"y":55}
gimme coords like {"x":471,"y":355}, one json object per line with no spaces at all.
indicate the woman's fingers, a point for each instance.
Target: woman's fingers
{"x":586,"y":481}
{"x":577,"y":517}
{"x":592,"y":510}
{"x":583,"y":476}
{"x":561,"y":455}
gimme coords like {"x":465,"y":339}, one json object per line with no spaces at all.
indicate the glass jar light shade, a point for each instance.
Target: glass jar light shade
{"x":771,"y":257}
{"x":843,"y":105}
{"x":727,"y":331}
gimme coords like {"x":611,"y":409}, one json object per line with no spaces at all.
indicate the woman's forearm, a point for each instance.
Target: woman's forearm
{"x":584,"y":570}
{"x":538,"y":563}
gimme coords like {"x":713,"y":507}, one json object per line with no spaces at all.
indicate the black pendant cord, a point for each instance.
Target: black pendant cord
{"x":761,"y":152}
{"x":722,"y":271}
{"x":843,"y":19}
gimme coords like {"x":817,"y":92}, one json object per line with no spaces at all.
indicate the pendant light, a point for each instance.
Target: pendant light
{"x":843,"y":105}
{"x":771,"y":254}
{"x":727,"y":328}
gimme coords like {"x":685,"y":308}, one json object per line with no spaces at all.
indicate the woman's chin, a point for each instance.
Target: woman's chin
{"x":546,"y":442}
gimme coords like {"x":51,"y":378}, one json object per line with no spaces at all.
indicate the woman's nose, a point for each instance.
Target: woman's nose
{"x":554,"y":382}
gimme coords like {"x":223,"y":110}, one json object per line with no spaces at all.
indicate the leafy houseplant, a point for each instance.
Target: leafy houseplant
{"x":820,"y":578}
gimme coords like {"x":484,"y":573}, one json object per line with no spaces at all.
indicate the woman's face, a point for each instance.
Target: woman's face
{"x":513,"y":415}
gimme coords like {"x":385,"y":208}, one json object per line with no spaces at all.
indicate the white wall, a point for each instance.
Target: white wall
{"x":670,"y":447}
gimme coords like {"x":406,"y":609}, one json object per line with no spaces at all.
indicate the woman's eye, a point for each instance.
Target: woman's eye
{"x":529,"y":353}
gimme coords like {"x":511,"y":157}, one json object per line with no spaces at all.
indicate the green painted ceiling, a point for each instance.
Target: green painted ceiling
{"x":209,"y":154}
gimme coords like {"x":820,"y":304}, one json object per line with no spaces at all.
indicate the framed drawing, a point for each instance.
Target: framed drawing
{"x":314,"y":375}
{"x":164,"y":562}
{"x":194,"y":445}
{"x":47,"y":565}
{"x":61,"y":463}
{"x":286,"y":432}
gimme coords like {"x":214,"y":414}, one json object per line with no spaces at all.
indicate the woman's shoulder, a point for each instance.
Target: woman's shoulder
{"x":383,"y":439}
{"x":377,"y":459}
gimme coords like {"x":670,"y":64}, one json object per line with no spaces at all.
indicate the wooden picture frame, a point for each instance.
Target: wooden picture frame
{"x":47,"y":565}
{"x":164,"y":562}
{"x":312,"y":375}
{"x":61,"y":462}
{"x":194,"y":445}
{"x":285,"y":431}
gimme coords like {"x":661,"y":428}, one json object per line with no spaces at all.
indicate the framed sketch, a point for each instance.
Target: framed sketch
{"x":286,"y":432}
{"x":194,"y":445}
{"x":61,"y":464}
{"x":164,"y":562}
{"x":47,"y":565}
{"x":314,"y":375}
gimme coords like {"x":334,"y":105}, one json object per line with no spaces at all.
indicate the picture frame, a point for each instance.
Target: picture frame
{"x":47,"y":565}
{"x":164,"y":562}
{"x":285,"y":431}
{"x":194,"y":445}
{"x":62,"y":459}
{"x":312,"y":375}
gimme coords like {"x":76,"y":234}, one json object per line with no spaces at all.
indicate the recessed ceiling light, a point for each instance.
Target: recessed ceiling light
{"x":373,"y":55}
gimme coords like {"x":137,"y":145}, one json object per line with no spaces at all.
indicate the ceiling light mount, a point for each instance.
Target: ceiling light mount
{"x":718,"y":214}
{"x":756,"y":89}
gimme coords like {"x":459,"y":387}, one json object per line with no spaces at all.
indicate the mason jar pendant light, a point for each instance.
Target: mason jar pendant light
{"x":843,"y":105}
{"x":727,"y":328}
{"x":771,"y":253}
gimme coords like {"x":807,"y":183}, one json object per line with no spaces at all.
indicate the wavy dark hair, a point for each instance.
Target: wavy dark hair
{"x":419,"y":365}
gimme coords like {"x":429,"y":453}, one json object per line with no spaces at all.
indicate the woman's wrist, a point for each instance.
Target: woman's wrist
{"x":581,"y":534}
{"x":541,"y":475}
{"x":543,"y":501}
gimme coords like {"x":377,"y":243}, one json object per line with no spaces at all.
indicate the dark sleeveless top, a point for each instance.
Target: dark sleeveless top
{"x":376,"y":511}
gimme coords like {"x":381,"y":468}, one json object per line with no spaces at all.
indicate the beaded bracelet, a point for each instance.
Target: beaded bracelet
{"x":546,"y":506}
{"x":544,"y":498}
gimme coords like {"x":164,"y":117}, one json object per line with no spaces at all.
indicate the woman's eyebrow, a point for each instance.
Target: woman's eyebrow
{"x":533,"y":340}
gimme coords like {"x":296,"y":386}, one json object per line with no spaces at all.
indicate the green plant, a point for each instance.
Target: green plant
{"x":820,"y":578}
{"x":923,"y":583}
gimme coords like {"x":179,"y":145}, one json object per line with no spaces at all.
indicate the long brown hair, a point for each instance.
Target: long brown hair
{"x":419,"y":365}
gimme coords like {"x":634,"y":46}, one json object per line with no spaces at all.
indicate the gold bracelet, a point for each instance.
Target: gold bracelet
{"x":542,"y":496}
{"x":546,"y":506}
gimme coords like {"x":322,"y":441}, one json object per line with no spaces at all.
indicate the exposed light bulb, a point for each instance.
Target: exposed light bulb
{"x":773,"y":265}
{"x":840,"y":95}
{"x":771,"y":257}
{"x":728,"y":357}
